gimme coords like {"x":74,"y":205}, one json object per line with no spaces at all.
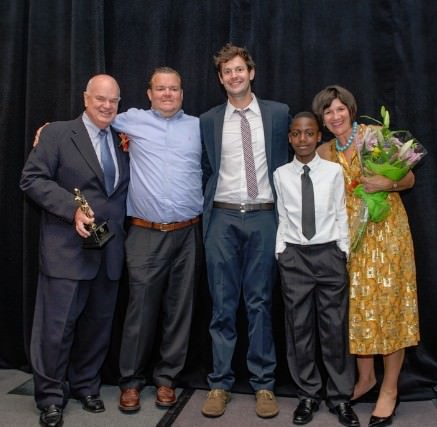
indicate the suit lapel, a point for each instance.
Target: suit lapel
{"x":266,"y":115}
{"x":219,"y":118}
{"x":118,"y":153}
{"x":81,"y":139}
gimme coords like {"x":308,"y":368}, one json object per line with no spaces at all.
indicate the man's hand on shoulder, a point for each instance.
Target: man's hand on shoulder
{"x":38,"y":134}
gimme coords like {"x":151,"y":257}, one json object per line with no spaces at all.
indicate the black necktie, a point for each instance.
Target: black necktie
{"x":308,"y":214}
{"x":107,"y":161}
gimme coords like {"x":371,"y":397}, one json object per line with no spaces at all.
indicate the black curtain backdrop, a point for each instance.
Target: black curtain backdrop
{"x":382,"y":50}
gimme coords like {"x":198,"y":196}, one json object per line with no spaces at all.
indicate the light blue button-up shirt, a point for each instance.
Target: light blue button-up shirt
{"x":165,"y":171}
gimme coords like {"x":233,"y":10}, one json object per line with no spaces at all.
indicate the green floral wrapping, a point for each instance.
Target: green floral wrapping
{"x":387,"y":153}
{"x":377,"y":204}
{"x":358,"y":225}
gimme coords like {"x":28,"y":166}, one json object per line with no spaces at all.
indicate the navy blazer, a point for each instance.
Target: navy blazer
{"x":64,"y":160}
{"x":276,"y":120}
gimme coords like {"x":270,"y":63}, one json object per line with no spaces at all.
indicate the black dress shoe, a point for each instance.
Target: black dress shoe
{"x":304,"y":411}
{"x":346,"y":415}
{"x":383,"y":421}
{"x":51,"y":417}
{"x":92,"y":403}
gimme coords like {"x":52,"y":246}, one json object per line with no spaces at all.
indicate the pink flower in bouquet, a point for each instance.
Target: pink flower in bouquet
{"x":388,"y":153}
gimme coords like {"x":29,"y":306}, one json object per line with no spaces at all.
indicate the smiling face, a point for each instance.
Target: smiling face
{"x":101,"y":100}
{"x":165,"y":93}
{"x":236,"y":77}
{"x":337,"y":119}
{"x":304,"y":135}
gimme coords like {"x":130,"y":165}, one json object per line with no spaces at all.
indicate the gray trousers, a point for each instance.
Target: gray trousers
{"x":163,"y":272}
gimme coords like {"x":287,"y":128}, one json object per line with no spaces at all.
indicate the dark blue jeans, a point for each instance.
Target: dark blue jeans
{"x":239,"y":249}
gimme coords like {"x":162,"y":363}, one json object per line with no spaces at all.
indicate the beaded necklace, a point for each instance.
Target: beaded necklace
{"x":350,"y":140}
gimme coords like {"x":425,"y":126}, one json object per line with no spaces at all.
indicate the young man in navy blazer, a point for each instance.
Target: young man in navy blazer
{"x":240,"y":226}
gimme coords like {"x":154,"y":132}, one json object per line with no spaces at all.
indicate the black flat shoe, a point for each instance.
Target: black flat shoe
{"x":92,"y":404}
{"x":383,"y":421}
{"x":51,"y":417}
{"x":367,"y":396}
{"x":304,"y":411}
{"x":346,"y":415}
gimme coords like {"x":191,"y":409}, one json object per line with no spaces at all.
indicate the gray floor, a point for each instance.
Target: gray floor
{"x":17,"y":409}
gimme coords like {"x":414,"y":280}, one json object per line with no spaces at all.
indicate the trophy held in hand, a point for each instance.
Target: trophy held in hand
{"x":100,"y":234}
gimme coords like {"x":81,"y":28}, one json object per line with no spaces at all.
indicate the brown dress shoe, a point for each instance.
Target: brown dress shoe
{"x":215,"y":403}
{"x":129,"y":400}
{"x":165,"y":396}
{"x":266,"y":404}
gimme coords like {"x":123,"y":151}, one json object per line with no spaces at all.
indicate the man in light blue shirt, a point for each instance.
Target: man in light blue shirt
{"x":164,"y":244}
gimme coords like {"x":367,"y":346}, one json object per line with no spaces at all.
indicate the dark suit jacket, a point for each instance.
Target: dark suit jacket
{"x":275,"y":119}
{"x":64,"y":160}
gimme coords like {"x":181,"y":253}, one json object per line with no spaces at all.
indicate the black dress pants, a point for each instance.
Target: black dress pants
{"x":70,"y":336}
{"x":315,"y":290}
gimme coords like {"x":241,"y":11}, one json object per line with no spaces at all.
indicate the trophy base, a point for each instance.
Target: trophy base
{"x":100,"y":235}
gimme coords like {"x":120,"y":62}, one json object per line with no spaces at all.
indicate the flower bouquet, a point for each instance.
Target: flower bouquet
{"x":388,"y":153}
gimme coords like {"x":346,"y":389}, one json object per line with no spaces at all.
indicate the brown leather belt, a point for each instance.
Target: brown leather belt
{"x":244,"y":207}
{"x":165,"y":226}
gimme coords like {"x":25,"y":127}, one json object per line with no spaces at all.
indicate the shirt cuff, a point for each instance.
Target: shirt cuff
{"x":280,"y":247}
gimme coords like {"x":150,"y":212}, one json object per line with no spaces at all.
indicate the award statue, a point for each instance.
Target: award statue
{"x":100,"y":234}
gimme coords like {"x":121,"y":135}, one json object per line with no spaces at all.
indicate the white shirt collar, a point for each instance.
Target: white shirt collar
{"x":253,"y":106}
{"x":91,"y":127}
{"x":299,"y":165}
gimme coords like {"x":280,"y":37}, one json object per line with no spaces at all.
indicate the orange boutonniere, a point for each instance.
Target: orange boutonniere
{"x":124,"y":142}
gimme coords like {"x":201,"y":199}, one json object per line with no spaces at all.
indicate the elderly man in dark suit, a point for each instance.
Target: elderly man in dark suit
{"x":77,"y":286}
{"x":243,"y":142}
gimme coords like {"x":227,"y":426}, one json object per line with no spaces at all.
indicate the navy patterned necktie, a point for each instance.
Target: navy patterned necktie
{"x":107,"y":161}
{"x":308,"y":213}
{"x":249,"y":162}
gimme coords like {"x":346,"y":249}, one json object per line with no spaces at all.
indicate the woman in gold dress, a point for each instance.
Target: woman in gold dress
{"x":383,"y":317}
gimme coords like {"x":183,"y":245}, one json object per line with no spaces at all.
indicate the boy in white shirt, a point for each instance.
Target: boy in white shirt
{"x":312,"y":247}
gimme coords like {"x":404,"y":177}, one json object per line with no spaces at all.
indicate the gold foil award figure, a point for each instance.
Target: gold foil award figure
{"x":100,"y":234}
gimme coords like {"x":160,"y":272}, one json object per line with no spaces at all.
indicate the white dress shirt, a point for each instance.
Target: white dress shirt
{"x":329,"y":203}
{"x":231,"y":185}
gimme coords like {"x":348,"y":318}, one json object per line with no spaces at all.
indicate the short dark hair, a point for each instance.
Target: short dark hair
{"x":325,"y":97}
{"x":229,"y":52}
{"x":163,"y":70}
{"x":307,"y":115}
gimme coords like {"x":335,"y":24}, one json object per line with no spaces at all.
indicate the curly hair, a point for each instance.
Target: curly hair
{"x":229,"y":52}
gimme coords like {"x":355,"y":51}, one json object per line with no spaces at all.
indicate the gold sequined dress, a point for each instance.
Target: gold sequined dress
{"x":383,"y":315}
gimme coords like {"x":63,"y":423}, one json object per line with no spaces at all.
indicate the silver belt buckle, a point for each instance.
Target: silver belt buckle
{"x":242,"y":207}
{"x":161,"y":226}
